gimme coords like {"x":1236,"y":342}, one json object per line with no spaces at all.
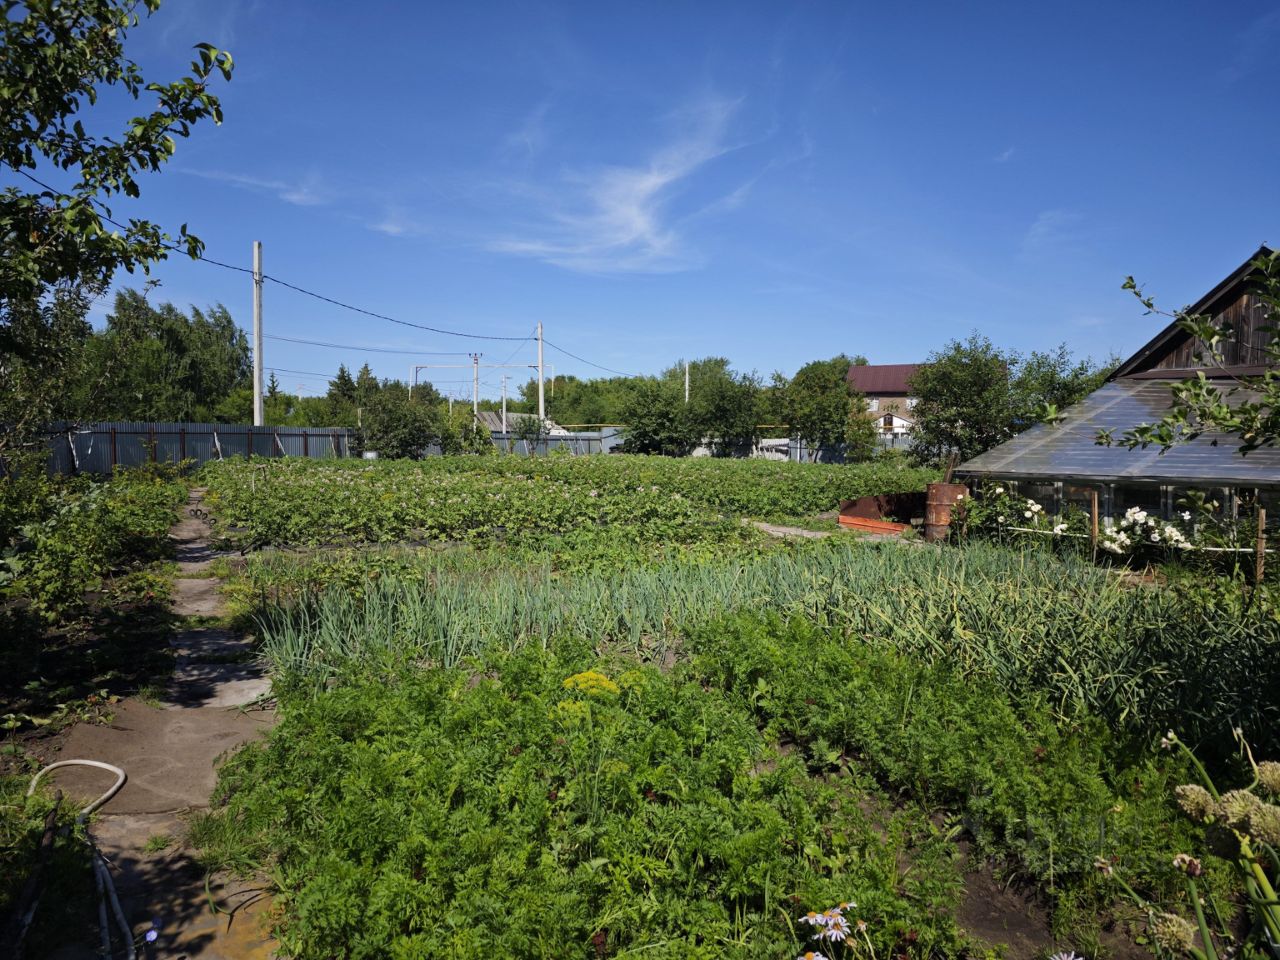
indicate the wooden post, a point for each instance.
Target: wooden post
{"x":1260,"y":550}
{"x":182,"y":443}
{"x":1093,"y":522}
{"x":305,"y":446}
{"x":251,"y":441}
{"x":151,"y":439}
{"x":113,"y":449}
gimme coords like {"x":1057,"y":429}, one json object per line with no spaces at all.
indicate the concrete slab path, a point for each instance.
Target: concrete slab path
{"x":170,"y":751}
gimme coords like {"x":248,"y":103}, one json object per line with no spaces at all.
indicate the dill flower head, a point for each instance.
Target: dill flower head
{"x":1269,"y":776}
{"x":591,"y":682}
{"x":1195,"y":800}
{"x":1264,"y":823}
{"x":1236,"y":806}
{"x":1173,"y":932}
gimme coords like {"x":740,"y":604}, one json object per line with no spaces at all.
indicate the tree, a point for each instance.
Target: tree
{"x":971,"y":395}
{"x":816,"y":403}
{"x":397,"y":428}
{"x":1248,"y":409}
{"x":59,"y":243}
{"x":963,"y":401}
{"x":529,"y":430}
{"x":157,"y":363}
{"x":1047,"y":383}
{"x":657,"y":421}
{"x":861,"y":439}
{"x":722,"y":404}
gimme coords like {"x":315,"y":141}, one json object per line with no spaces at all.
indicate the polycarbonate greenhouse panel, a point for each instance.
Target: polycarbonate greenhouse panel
{"x":1068,"y":450}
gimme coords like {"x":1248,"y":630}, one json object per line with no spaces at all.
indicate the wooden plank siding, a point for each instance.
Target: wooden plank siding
{"x":1246,"y":317}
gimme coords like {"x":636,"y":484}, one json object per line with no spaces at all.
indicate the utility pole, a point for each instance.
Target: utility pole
{"x":257,"y":333}
{"x":505,"y":378}
{"x":686,"y":383}
{"x":475,"y":384}
{"x":413,"y":375}
{"x":542,"y":403}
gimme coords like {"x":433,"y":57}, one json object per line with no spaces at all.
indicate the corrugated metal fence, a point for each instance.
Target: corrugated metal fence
{"x":601,"y":441}
{"x":100,"y":447}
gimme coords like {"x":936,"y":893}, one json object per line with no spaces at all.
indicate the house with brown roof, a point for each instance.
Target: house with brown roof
{"x":885,"y":385}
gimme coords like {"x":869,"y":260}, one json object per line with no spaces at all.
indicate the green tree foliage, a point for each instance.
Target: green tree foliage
{"x":816,"y":402}
{"x":658,"y":421}
{"x":722,"y":403}
{"x":971,"y":395}
{"x":157,"y":363}
{"x":1246,"y":408}
{"x":861,"y":438}
{"x":397,"y":427}
{"x":58,"y":247}
{"x":570,"y":400}
{"x":529,"y":432}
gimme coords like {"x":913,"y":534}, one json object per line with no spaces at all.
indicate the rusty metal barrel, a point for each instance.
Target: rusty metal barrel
{"x":940,"y":499}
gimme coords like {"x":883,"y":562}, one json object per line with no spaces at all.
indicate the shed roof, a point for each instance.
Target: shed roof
{"x":882,"y":379}
{"x":1209,"y":304}
{"x":1068,"y":451}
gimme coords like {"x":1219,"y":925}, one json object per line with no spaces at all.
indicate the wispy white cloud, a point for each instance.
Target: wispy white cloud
{"x":530,"y":137}
{"x":307,"y":192}
{"x":616,"y":218}
{"x":1255,"y":44}
{"x":1052,"y":228}
{"x":395,"y":222}
{"x":1004,"y":156}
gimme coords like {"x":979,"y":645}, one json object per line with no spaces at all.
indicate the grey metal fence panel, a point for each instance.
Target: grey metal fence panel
{"x":100,"y":447}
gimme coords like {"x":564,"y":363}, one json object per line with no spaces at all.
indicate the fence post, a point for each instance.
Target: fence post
{"x":251,"y":441}
{"x":1260,"y":549}
{"x":182,"y":443}
{"x":306,"y":452}
{"x":151,"y":440}
{"x":113,"y":449}
{"x":1093,"y":522}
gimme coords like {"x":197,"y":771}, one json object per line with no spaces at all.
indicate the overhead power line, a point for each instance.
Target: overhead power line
{"x":342,"y":346}
{"x":598,"y":366}
{"x":346,"y":306}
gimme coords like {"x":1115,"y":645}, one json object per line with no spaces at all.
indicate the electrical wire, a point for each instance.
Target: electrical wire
{"x":348,"y":306}
{"x":586,"y":361}
{"x":342,"y":346}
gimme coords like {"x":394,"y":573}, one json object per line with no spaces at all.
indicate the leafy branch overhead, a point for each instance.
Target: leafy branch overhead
{"x":1218,"y":399}
{"x":59,"y":58}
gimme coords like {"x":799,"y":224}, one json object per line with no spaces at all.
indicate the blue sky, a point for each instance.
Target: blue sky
{"x":771,"y":182}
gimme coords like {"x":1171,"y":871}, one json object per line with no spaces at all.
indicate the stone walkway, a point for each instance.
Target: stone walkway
{"x":170,"y":752}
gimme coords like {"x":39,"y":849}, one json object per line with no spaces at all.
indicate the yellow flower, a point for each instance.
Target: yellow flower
{"x":592,"y":683}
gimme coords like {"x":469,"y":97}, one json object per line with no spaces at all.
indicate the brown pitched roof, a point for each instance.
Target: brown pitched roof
{"x":882,"y":379}
{"x":1170,"y":335}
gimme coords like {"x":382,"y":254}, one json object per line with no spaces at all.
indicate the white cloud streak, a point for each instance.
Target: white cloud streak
{"x":308,"y":192}
{"x":615,"y":219}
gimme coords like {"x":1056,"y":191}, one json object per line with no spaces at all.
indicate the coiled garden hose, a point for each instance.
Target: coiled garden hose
{"x":101,"y":872}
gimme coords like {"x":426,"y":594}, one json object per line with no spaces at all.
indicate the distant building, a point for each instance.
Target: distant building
{"x":1061,"y":464}
{"x":491,"y":420}
{"x":885,"y":385}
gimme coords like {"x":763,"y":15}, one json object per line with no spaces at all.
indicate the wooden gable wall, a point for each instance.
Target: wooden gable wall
{"x":1245,"y":315}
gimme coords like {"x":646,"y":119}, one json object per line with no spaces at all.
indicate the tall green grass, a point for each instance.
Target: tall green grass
{"x":1040,"y":627}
